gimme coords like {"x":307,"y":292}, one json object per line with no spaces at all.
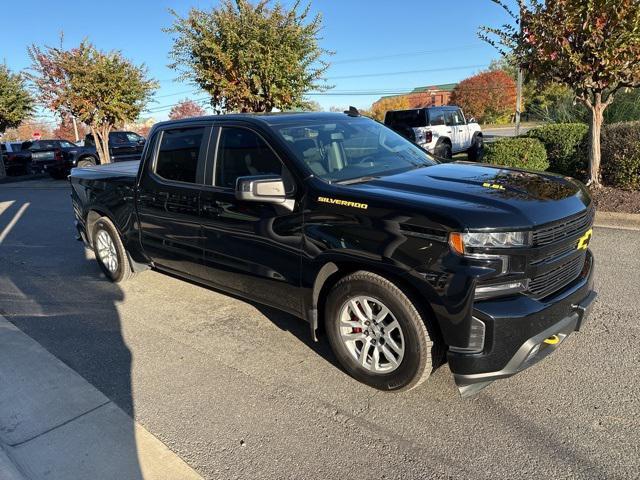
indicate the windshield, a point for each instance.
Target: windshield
{"x":352,"y":148}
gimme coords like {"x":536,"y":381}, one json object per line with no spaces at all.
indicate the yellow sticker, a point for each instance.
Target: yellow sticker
{"x":493,"y":185}
{"x":344,"y":203}
{"x":583,"y":241}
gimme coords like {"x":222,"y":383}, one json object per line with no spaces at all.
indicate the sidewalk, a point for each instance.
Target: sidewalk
{"x":54,"y":425}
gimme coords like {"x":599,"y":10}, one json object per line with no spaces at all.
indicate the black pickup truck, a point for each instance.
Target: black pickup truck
{"x":340,"y":221}
{"x":57,"y":157}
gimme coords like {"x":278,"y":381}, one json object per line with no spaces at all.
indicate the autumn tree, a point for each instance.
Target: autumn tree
{"x":185,"y":109}
{"x":100,"y":89}
{"x":26,"y":131}
{"x":488,"y":96}
{"x":591,"y":46}
{"x":251,"y":57}
{"x":66,"y":131}
{"x":382,"y":106}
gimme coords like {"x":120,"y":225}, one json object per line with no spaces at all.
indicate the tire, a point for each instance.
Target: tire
{"x":443,"y":151}
{"x":476,"y":151}
{"x":86,"y":162}
{"x":121,"y":270}
{"x":414,"y":365}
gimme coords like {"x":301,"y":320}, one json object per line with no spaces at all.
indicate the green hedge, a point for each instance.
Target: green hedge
{"x":567,"y":147}
{"x":522,"y":152}
{"x":621,"y":155}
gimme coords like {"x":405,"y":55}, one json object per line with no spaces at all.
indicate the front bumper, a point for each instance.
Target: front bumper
{"x":520,"y":331}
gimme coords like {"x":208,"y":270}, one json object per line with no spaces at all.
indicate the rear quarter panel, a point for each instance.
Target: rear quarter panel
{"x":109,"y":190}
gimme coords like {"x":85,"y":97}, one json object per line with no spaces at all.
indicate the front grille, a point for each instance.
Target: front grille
{"x":553,"y":280}
{"x":556,"y":254}
{"x":564,"y":229}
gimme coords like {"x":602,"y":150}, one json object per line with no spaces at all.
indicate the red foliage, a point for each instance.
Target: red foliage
{"x":486,"y":96}
{"x":186,"y":109}
{"x":65,"y":130}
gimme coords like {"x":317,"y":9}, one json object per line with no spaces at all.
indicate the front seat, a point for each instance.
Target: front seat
{"x":310,"y":153}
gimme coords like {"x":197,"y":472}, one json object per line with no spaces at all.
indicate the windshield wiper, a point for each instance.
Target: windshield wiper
{"x":351,"y":181}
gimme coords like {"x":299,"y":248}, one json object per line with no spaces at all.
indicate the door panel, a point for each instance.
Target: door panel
{"x":169,"y":200}
{"x":253,"y":248}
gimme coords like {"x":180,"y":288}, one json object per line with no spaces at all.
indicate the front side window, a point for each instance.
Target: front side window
{"x":178,"y":154}
{"x":133,"y":137}
{"x":243,"y":153}
{"x":117,"y":138}
{"x":351,"y":148}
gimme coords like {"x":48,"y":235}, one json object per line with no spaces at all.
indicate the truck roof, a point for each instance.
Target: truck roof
{"x":273,"y":118}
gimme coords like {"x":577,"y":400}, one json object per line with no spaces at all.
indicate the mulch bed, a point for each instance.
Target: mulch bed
{"x":609,"y":199}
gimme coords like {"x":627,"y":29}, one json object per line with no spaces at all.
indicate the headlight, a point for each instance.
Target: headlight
{"x":460,"y":241}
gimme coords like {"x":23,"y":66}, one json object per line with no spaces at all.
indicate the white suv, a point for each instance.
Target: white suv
{"x":442,"y":131}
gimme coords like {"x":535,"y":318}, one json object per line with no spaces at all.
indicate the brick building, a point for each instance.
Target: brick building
{"x":430,"y":96}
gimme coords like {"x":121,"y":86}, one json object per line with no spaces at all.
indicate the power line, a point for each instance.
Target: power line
{"x":362,"y":75}
{"x":400,"y":55}
{"x":407,"y":72}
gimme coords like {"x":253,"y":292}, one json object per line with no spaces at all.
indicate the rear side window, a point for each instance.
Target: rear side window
{"x":243,"y":153}
{"x":406,"y":118}
{"x":178,"y":154}
{"x":436,"y":117}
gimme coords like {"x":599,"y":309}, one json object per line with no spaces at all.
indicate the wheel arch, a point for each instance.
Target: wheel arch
{"x":84,"y":156}
{"x":335,"y":270}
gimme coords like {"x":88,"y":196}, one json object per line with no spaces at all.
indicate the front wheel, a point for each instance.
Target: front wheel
{"x":110,"y":253}
{"x":476,"y":151}
{"x":377,"y":333}
{"x":86,"y":162}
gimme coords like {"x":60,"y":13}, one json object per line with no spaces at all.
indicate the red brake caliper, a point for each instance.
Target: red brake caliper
{"x":355,"y":329}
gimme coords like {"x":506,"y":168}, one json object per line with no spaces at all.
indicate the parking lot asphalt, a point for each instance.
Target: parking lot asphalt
{"x":239,"y":390}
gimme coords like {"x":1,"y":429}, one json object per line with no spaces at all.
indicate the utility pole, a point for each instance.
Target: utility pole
{"x":519,"y":80}
{"x":518,"y":100}
{"x":75,"y":129}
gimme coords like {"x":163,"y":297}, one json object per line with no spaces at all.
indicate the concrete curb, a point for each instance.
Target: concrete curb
{"x":623,"y":221}
{"x":55,"y":425}
{"x":8,"y":469}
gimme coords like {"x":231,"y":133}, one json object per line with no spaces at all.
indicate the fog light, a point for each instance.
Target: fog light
{"x":476,"y":338}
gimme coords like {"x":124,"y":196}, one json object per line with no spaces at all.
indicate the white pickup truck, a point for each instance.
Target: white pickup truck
{"x":442,"y":131}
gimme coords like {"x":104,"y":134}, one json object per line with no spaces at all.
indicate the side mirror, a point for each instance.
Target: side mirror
{"x":472,"y":120}
{"x":261,"y":188}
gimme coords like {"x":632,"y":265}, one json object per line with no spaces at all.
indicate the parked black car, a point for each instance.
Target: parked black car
{"x":340,"y":221}
{"x":58,"y":157}
{"x":123,"y":145}
{"x":15,"y":160}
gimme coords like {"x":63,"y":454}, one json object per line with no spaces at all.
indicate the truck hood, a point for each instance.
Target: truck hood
{"x":482,"y":196}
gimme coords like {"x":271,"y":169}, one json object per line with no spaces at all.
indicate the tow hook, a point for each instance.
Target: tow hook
{"x":552,"y":340}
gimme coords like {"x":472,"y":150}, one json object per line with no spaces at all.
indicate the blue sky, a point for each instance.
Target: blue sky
{"x":437,"y":38}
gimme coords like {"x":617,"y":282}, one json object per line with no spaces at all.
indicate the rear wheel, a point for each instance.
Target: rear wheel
{"x":443,"y":151}
{"x":110,"y":253}
{"x":377,"y":333}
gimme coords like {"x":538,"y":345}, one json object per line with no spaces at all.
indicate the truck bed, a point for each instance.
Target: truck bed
{"x":119,"y":169}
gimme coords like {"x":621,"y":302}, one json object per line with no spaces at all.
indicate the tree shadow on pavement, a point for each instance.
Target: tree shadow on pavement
{"x":55,"y":293}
